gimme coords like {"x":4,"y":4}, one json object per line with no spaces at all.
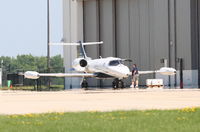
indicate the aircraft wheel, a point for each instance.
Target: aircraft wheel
{"x":84,"y":85}
{"x":115,"y":84}
{"x":120,"y":84}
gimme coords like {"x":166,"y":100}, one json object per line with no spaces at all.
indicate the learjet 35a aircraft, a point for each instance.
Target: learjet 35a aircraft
{"x":102,"y":68}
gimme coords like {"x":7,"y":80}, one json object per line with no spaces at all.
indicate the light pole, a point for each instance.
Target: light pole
{"x":48,"y":41}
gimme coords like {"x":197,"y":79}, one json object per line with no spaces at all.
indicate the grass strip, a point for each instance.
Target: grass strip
{"x":181,"y":120}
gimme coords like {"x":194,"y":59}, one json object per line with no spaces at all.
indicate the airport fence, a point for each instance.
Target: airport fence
{"x":14,"y":81}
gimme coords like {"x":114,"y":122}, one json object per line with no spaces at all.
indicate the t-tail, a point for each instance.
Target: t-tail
{"x":82,"y":49}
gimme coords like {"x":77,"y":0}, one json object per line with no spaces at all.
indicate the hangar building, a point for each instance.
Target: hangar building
{"x":146,"y":31}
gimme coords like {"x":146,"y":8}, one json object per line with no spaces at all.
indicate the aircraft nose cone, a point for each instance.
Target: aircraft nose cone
{"x":126,"y":71}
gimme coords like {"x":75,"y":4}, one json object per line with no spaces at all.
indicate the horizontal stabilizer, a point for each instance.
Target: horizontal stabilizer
{"x":93,"y":43}
{"x":77,"y":44}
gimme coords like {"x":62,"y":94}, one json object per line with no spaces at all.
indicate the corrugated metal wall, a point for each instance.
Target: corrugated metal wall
{"x":195,"y":35}
{"x":143,"y":30}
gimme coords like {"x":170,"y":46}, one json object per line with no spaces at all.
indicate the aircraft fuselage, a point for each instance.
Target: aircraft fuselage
{"x":111,"y":66}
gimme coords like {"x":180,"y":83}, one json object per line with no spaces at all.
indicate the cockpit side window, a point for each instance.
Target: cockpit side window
{"x":114,"y":63}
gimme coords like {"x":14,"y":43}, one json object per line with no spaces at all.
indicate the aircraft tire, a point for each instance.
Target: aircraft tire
{"x":84,"y":85}
{"x":115,"y":84}
{"x":120,"y":84}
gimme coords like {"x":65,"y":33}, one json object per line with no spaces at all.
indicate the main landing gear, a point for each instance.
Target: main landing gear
{"x":117,"y":84}
{"x":84,"y":84}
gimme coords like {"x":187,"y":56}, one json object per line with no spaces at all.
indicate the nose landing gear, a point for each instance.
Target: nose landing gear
{"x":117,"y":84}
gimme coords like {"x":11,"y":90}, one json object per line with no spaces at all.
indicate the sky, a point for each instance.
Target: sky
{"x":23,"y":27}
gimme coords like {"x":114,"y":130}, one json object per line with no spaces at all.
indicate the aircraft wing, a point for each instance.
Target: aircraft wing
{"x":146,"y":72}
{"x":66,"y":74}
{"x":163,"y":70}
{"x":36,"y":75}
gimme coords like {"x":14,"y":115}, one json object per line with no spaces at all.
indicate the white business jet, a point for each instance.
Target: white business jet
{"x":102,"y":68}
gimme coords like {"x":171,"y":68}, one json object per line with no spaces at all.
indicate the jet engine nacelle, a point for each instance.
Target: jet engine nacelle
{"x":31,"y":75}
{"x":79,"y":64}
{"x":83,"y":63}
{"x":167,"y":71}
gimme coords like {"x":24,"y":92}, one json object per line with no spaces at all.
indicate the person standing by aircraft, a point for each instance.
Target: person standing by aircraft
{"x":135,"y":76}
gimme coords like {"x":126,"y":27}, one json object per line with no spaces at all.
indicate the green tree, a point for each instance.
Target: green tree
{"x":5,"y":60}
{"x":30,"y":62}
{"x":41,"y":63}
{"x":56,"y":63}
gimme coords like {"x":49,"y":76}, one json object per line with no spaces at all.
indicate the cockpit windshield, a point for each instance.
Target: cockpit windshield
{"x":115,"y":62}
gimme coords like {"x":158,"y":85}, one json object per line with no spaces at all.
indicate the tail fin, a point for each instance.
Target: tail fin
{"x":82,"y":50}
{"x":77,"y":44}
